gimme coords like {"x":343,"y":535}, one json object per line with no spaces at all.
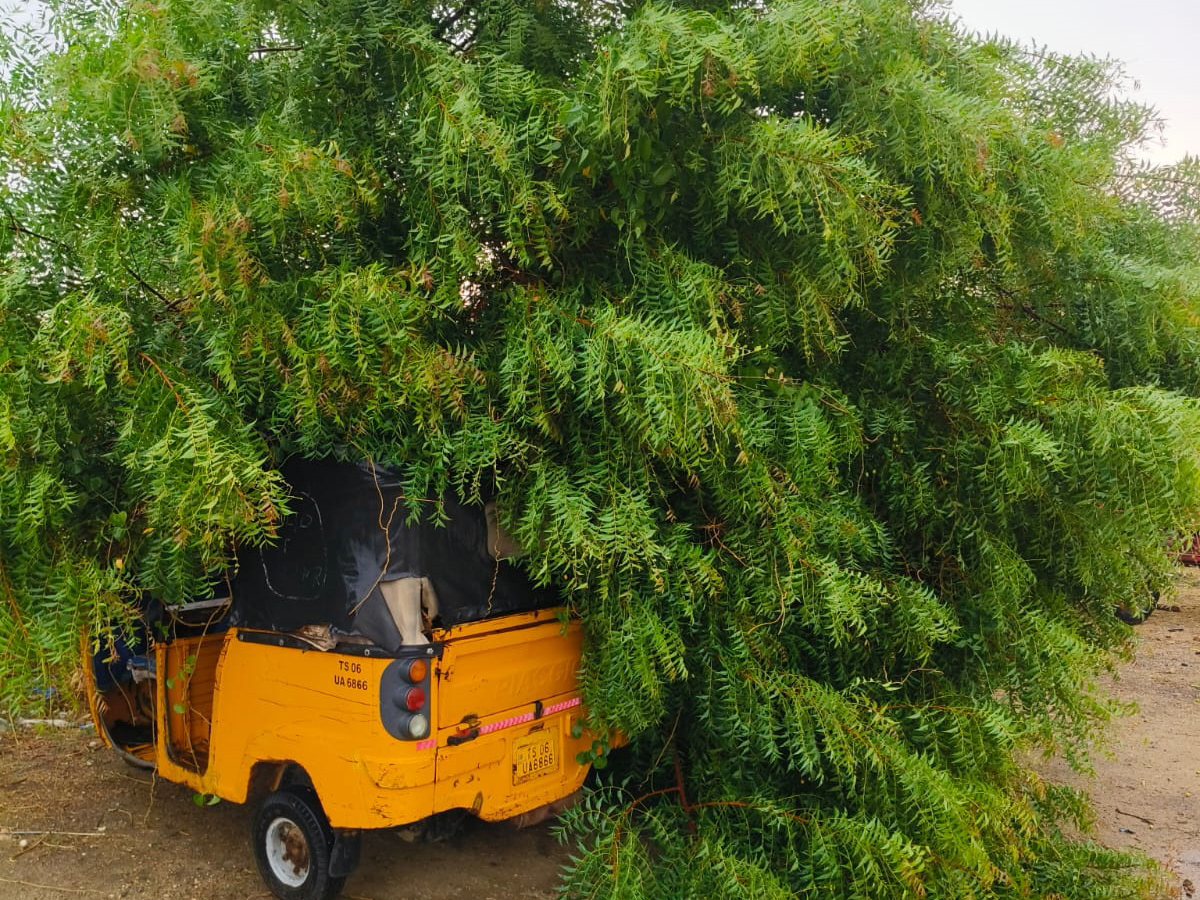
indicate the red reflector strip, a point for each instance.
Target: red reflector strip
{"x":530,"y":717}
{"x":516,"y":720}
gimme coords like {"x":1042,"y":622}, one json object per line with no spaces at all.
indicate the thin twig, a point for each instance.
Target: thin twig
{"x":387,"y":531}
{"x":27,"y":848}
{"x":150,"y":806}
{"x":131,"y":778}
{"x":57,"y":833}
{"x":1122,"y":812}
{"x":21,"y":229}
{"x":148,"y":288}
{"x":169,"y":383}
{"x":444,"y":25}
{"x":287,"y":49}
{"x":52,"y":887}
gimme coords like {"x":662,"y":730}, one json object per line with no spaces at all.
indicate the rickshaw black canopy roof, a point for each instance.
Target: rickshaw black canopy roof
{"x":349,"y":534}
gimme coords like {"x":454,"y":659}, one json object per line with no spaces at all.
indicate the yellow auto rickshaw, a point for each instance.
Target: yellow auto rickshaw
{"x":359,"y":673}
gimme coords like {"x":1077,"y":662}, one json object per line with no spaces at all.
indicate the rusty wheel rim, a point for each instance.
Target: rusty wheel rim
{"x":287,"y":852}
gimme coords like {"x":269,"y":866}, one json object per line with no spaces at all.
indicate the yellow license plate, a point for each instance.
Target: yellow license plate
{"x":533,"y":755}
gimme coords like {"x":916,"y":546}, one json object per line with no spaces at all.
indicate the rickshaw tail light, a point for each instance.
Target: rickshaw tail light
{"x":418,"y":726}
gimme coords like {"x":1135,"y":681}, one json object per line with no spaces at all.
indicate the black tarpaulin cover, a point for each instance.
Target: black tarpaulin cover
{"x":348,"y":537}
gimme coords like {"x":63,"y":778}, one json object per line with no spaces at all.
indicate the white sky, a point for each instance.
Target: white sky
{"x":1158,"y":40}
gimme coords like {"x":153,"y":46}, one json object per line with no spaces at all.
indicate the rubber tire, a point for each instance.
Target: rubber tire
{"x":1138,"y":616}
{"x":300,"y":805}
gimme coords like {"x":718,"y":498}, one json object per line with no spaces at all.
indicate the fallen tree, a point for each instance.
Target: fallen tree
{"x":835,"y":363}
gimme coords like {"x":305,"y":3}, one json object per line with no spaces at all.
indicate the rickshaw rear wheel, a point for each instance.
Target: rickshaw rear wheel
{"x":293,"y":844}
{"x":1136,"y":614}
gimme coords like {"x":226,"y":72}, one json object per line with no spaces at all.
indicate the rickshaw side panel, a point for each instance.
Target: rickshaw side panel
{"x":187,"y":675}
{"x":319,"y":710}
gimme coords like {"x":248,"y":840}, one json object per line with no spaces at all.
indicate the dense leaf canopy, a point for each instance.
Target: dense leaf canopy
{"x":835,"y":362}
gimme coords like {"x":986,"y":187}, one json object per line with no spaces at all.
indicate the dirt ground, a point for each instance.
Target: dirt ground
{"x":1146,"y":790}
{"x":95,"y":828}
{"x":102,"y":829}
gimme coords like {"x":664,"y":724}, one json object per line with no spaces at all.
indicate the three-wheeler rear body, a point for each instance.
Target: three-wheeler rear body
{"x":223,"y":713}
{"x":486,"y":718}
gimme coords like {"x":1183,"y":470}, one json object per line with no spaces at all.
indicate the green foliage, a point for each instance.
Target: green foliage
{"x":836,"y":364}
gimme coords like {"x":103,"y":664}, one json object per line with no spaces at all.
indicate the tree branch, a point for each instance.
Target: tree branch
{"x":285,"y":49}
{"x":446,"y":24}
{"x":147,"y":287}
{"x":18,"y":228}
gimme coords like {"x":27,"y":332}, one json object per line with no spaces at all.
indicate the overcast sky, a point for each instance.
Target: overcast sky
{"x":1158,"y":40}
